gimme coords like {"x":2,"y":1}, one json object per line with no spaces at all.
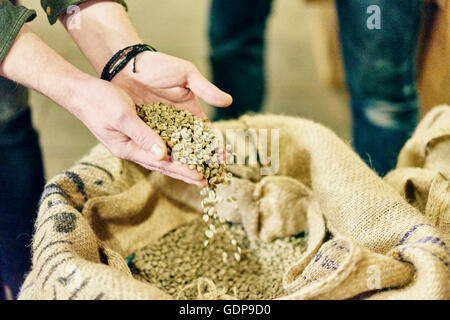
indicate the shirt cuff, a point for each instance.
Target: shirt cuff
{"x":12,"y":18}
{"x":55,"y":8}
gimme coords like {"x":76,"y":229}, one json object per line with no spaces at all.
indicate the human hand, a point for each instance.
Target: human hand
{"x":105,"y":109}
{"x":110,"y":115}
{"x":159,"y":77}
{"x":163,"y":78}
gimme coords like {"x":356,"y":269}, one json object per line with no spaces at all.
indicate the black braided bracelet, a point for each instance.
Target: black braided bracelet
{"x":121,"y":58}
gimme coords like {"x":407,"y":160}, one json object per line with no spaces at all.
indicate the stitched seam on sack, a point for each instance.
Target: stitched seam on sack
{"x":402,"y":258}
{"x":348,"y":266}
{"x":410,"y":231}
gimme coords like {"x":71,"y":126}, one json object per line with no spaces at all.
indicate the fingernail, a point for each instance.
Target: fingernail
{"x":157,"y":151}
{"x":230,"y":99}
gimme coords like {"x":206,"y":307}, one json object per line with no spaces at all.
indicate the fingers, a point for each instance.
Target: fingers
{"x":144,"y":155}
{"x":187,"y":100}
{"x":146,"y":148}
{"x":199,"y":85}
{"x":144,"y":138}
{"x":167,"y":166}
{"x":201,"y":183}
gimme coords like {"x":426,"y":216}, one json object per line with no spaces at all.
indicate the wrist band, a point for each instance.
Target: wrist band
{"x":121,"y":58}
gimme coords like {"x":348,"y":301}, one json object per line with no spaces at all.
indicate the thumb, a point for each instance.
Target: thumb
{"x":201,"y":87}
{"x":144,"y":137}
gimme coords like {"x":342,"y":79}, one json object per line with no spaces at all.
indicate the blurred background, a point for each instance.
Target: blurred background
{"x":294,"y":87}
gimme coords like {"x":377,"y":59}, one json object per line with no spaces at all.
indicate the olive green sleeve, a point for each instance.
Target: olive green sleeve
{"x":55,"y":8}
{"x":12,"y":19}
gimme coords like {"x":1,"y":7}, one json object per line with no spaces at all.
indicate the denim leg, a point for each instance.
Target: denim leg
{"x":236,"y":35}
{"x":21,"y":183}
{"x":381,"y":76}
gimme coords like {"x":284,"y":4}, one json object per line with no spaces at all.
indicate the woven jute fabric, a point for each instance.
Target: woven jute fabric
{"x":367,"y":237}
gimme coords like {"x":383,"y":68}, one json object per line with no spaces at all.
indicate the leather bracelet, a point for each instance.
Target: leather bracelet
{"x":121,"y":58}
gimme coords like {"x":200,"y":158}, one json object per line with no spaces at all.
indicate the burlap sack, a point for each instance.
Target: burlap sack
{"x":364,"y":238}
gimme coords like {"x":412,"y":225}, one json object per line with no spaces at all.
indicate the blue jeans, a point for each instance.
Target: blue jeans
{"x":236,"y":34}
{"x":21,"y":183}
{"x":379,"y":65}
{"x":381,"y":76}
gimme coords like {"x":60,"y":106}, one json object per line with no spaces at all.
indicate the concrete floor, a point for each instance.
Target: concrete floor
{"x":293,"y":84}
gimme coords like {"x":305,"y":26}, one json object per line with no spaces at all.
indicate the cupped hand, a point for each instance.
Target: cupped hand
{"x":110,"y":115}
{"x":163,"y":78}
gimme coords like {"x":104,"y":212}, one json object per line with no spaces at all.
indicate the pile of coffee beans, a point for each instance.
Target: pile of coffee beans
{"x":175,"y":262}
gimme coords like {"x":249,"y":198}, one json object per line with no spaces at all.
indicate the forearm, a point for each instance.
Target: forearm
{"x":105,"y":28}
{"x":33,"y":64}
{"x":107,"y":111}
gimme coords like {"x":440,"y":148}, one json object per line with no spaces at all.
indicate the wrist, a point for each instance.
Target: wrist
{"x":105,"y":29}
{"x":122,"y":58}
{"x":131,"y":81}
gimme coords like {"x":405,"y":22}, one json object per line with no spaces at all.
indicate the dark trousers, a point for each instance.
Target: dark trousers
{"x":381,"y":76}
{"x":379,"y":66}
{"x":21,"y":183}
{"x":236,"y":34}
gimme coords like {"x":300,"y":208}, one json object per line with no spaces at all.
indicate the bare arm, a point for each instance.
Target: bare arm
{"x":103,"y":107}
{"x":33,"y":64}
{"x":105,"y":28}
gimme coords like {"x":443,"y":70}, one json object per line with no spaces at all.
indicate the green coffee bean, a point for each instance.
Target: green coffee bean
{"x":189,"y":139}
{"x":254,"y":271}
